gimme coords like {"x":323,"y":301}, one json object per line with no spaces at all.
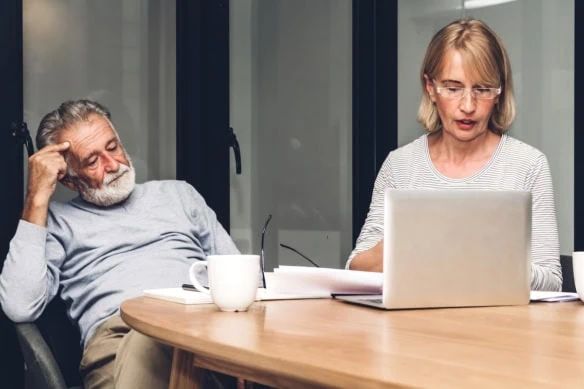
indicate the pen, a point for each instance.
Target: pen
{"x":189,"y":287}
{"x":335,"y":295}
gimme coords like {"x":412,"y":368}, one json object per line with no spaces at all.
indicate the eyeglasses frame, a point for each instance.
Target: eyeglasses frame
{"x":439,"y":90}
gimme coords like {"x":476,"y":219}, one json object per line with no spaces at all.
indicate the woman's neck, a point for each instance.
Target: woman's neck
{"x":457,"y":159}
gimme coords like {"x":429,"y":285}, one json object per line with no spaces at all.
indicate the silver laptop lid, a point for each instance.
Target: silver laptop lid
{"x":447,"y":248}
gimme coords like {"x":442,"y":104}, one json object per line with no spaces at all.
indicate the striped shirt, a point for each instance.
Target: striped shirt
{"x":513,"y":166}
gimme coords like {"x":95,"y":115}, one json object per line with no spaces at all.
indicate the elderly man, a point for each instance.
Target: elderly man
{"x":105,"y":246}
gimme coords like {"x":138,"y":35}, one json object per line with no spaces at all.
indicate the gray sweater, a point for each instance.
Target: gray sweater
{"x":103,"y":256}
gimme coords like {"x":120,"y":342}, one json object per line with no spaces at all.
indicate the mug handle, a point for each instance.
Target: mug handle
{"x":193,"y":276}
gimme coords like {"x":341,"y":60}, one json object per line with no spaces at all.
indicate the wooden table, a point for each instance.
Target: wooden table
{"x":328,"y":343}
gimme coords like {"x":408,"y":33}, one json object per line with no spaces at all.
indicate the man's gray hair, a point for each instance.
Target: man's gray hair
{"x":69,"y":113}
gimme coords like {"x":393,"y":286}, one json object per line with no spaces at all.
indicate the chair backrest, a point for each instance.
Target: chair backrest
{"x":57,"y":355}
{"x":567,"y":274}
{"x":41,"y":369}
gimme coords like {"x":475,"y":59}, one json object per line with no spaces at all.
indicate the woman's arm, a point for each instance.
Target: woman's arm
{"x":546,"y":272}
{"x":369,"y":260}
{"x":368,"y":252}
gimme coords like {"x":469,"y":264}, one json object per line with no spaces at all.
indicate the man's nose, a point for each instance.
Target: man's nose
{"x":111,"y":164}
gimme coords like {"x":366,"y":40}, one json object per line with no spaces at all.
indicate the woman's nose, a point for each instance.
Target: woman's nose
{"x":468,"y":103}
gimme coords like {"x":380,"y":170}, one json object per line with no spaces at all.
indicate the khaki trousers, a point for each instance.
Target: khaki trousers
{"x":118,"y":357}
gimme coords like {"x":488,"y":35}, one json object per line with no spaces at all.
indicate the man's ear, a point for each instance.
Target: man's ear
{"x":68,"y":181}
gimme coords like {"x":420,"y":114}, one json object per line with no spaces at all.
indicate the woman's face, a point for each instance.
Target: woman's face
{"x":466,"y":118}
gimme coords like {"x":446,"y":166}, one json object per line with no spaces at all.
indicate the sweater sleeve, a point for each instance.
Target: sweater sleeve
{"x":546,"y":273}
{"x":213,"y":237}
{"x":29,"y":280}
{"x":372,"y":231}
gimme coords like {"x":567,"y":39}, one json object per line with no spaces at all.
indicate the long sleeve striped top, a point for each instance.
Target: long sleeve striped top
{"x":513,"y":166}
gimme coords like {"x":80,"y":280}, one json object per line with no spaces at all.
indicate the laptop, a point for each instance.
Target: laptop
{"x":454,"y":248}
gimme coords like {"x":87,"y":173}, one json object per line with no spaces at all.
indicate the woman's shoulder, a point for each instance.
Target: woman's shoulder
{"x":516,"y":150}
{"x":410,"y":150}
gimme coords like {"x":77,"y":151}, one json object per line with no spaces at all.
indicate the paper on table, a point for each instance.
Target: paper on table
{"x":179,"y":295}
{"x":302,"y":279}
{"x":539,"y":296}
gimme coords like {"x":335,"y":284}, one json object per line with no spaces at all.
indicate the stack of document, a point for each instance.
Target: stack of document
{"x":179,"y":295}
{"x":291,"y":282}
{"x":189,"y":297}
{"x":301,"y":279}
{"x":552,"y":297}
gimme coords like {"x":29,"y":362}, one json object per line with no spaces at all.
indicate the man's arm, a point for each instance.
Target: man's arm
{"x":28,"y":281}
{"x":46,"y":167}
{"x":221,"y":241}
{"x":214,"y":239}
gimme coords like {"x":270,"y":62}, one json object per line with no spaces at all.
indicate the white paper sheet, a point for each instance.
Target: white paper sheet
{"x":179,"y":295}
{"x":301,"y":279}
{"x":543,"y":296}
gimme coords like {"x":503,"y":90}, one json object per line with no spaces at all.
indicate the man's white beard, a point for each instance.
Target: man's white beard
{"x":111,"y":192}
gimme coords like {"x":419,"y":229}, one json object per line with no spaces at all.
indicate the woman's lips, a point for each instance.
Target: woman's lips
{"x":465,"y":124}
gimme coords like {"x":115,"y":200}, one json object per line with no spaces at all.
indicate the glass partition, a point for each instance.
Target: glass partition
{"x":291,"y":110}
{"x":539,"y":37}
{"x":118,"y":52}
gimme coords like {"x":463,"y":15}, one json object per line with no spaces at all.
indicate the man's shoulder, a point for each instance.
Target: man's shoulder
{"x":63,"y":208}
{"x":165,"y":184}
{"x":177,"y":188}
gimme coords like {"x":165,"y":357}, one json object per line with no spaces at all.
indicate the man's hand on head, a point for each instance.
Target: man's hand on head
{"x":45,"y":168}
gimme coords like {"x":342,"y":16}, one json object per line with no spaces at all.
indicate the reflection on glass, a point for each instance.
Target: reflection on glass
{"x":291,"y":110}
{"x":539,"y":37}
{"x":118,"y":52}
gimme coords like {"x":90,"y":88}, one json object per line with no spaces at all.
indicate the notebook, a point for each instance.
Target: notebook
{"x":179,"y":295}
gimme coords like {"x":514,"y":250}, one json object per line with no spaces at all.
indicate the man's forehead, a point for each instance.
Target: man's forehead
{"x":87,"y":136}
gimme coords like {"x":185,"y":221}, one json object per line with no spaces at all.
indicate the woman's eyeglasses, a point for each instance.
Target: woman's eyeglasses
{"x":457,"y":93}
{"x":262,"y":255}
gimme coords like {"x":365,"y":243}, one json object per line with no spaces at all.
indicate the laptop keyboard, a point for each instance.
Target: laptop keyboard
{"x":372,"y":300}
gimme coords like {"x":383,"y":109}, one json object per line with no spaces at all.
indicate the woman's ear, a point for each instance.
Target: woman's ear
{"x":430,"y":88}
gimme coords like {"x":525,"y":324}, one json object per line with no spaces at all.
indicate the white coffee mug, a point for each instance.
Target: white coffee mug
{"x":233,"y":280}
{"x":578,"y":266}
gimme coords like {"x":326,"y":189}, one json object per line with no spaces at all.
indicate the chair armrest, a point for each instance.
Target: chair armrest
{"x":41,"y":365}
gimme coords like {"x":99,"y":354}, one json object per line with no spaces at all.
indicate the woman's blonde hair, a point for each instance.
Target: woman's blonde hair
{"x":484,"y":55}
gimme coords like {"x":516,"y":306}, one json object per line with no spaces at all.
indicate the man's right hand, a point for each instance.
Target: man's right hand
{"x":45,"y":168}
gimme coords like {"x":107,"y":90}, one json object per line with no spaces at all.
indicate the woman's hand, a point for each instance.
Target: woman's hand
{"x":370,"y":260}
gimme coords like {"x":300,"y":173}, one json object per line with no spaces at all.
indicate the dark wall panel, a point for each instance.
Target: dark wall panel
{"x":11,"y":195}
{"x":374,"y":97}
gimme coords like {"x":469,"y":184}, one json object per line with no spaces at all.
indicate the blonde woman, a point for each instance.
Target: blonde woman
{"x":467,"y":106}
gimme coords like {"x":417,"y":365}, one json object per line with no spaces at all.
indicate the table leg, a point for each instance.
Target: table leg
{"x":184,"y":373}
{"x":243,"y":384}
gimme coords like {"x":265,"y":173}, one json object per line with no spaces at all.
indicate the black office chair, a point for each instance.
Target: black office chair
{"x":567,"y":274}
{"x":51,"y":350}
